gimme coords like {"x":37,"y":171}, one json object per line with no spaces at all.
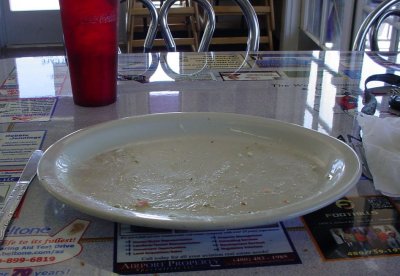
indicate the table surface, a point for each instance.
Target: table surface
{"x":318,"y":90}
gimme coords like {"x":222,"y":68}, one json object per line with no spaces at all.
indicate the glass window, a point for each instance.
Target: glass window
{"x":313,"y":25}
{"x":33,"y":5}
{"x":328,"y":22}
{"x":334,"y":21}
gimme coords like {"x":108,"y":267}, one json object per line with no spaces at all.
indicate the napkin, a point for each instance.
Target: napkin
{"x":381,"y":142}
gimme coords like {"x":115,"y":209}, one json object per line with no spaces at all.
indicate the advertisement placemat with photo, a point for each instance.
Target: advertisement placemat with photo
{"x":354,"y":227}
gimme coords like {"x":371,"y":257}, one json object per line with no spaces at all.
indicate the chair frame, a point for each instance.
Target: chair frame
{"x":370,"y":21}
{"x":166,"y":32}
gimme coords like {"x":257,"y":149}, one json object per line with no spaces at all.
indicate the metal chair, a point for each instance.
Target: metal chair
{"x":166,"y":32}
{"x":152,"y":32}
{"x":249,"y":13}
{"x":152,"y":29}
{"x":375,"y":28}
{"x":372,"y":23}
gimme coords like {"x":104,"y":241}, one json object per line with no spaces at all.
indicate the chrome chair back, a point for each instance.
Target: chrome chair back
{"x":248,"y":12}
{"x":250,"y":16}
{"x":152,"y":31}
{"x":372,"y":23}
{"x":208,"y":32}
{"x":375,"y":28}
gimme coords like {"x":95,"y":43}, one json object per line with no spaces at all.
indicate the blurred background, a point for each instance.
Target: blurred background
{"x":28,"y":26}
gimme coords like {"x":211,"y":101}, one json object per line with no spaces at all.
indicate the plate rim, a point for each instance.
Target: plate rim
{"x":208,"y":222}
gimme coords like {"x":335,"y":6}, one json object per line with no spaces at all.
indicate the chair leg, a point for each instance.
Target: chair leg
{"x":195,"y":33}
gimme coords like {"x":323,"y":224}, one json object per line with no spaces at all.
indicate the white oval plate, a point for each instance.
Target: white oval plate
{"x":198,"y":171}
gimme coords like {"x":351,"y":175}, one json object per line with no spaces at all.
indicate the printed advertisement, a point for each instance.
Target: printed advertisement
{"x":16,"y":147}
{"x":145,"y":250}
{"x":208,"y":60}
{"x":356,"y":227}
{"x":40,"y":249}
{"x":250,"y":75}
{"x":38,"y":77}
{"x":27,"y":110}
{"x":287,"y":62}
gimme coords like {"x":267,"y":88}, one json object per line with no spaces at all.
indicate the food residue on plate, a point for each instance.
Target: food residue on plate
{"x":191,"y":175}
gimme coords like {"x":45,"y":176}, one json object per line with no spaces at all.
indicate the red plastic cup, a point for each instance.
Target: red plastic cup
{"x":90,"y":30}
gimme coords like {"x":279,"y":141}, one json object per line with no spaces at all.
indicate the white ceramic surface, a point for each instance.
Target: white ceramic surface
{"x":199,"y":171}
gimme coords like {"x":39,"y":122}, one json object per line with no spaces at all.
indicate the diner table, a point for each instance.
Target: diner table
{"x":320,"y":90}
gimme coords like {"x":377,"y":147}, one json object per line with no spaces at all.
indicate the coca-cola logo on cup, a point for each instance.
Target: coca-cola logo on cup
{"x":102,"y":19}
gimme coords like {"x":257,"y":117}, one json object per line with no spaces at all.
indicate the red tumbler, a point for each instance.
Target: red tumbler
{"x":90,"y":30}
